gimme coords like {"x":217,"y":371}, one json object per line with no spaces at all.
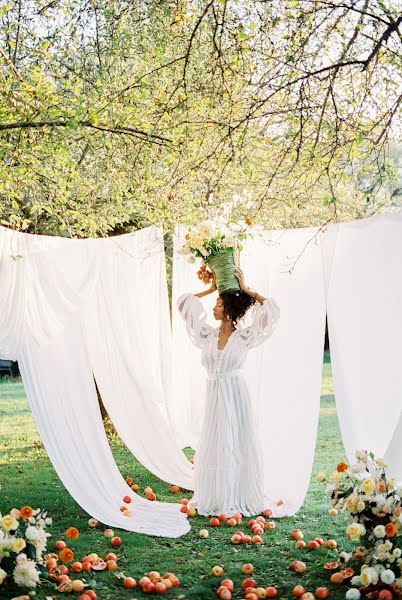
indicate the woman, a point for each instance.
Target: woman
{"x":228,"y":468}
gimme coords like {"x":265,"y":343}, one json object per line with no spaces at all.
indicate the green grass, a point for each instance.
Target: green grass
{"x":27,"y":477}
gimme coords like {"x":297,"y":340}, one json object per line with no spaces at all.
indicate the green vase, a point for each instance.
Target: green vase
{"x":223,"y":265}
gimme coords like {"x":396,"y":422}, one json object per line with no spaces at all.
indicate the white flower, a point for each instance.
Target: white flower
{"x":48,"y":520}
{"x":387,"y":576}
{"x":397,"y":552}
{"x":368,"y":576}
{"x":352,"y":594}
{"x":381,"y":463}
{"x":196,"y":242}
{"x":361,"y":506}
{"x":362,"y":455}
{"x":357,"y":468}
{"x":206,"y":230}
{"x":26,"y":575}
{"x":379,"y":531}
{"x":379,"y":568}
{"x":21,"y":559}
{"x":3,"y":575}
{"x":31,"y":533}
{"x":356,"y":580}
{"x":229,"y":241}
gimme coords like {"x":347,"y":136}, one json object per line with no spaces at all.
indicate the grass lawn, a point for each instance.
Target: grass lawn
{"x":27,"y":477}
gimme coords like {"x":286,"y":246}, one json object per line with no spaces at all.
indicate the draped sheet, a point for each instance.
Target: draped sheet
{"x":284,"y":375}
{"x":48,"y":287}
{"x":364,"y":279}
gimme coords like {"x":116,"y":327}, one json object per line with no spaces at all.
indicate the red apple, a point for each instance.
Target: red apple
{"x":160,"y":588}
{"x":129,"y":481}
{"x":297,"y":534}
{"x":111,"y":565}
{"x":108,"y":533}
{"x":115,"y":541}
{"x":271,"y":592}
{"x":247,"y":569}
{"x":217,"y":571}
{"x":236,"y":539}
{"x":135,"y":487}
{"x":76,"y":567}
{"x":77,"y":585}
{"x":223,"y":518}
{"x":214,"y":522}
{"x":319,"y":541}
{"x":129,"y":582}
{"x":300,"y":544}
{"x":175,"y":489}
{"x":331,"y":544}
{"x":231,"y":522}
{"x":256,"y":539}
{"x":148,"y":490}
{"x":127,"y":499}
{"x":298,"y":591}
{"x":300,"y":567}
{"x":322,"y":592}
{"x":313,"y":545}
{"x":151,"y":496}
{"x":111,"y":556}
{"x":60,"y":545}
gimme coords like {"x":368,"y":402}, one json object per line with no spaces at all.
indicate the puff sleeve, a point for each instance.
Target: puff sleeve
{"x":265,"y":318}
{"x":193,"y":313}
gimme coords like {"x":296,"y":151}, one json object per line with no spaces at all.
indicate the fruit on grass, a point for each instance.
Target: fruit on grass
{"x":271,"y":591}
{"x":111,"y":565}
{"x":203,"y":533}
{"x":297,"y":534}
{"x":322,"y":592}
{"x":99,"y":565}
{"x":333,"y":512}
{"x":60,"y":545}
{"x":77,"y":585}
{"x":160,"y":588}
{"x":331,"y":544}
{"x":308,"y":596}
{"x":246,"y":539}
{"x":227,"y":583}
{"x":214,"y":522}
{"x":300,"y":567}
{"x":319,"y":541}
{"x":247,"y":568}
{"x":115,"y":541}
{"x":223,"y":518}
{"x":93,"y":522}
{"x":298,"y":591}
{"x":153,"y":575}
{"x":336,"y":577}
{"x":151,"y":496}
{"x":76,"y":567}
{"x":129,"y":582}
{"x":148,"y":587}
{"x":249,"y":582}
{"x":236,"y":539}
{"x":267,"y":512}
{"x":231,"y":522}
{"x":260,"y":592}
{"x":148,"y":490}
{"x":256,"y":539}
{"x":191,"y":512}
{"x":108,"y":533}
{"x":300,"y":544}
{"x":313,"y":545}
{"x":91,"y":594}
{"x":223,"y":593}
{"x":217,"y":571}
{"x":184,"y":501}
{"x":184,"y":509}
{"x":84,"y":597}
{"x":251,"y":596}
{"x":129,"y":481}
{"x":175,"y":489}
{"x":111,"y":556}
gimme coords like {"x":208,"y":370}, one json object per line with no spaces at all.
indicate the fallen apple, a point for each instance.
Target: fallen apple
{"x":203,"y":533}
{"x":217,"y":571}
{"x":247,"y":568}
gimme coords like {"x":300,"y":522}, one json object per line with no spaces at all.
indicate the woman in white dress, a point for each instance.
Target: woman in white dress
{"x":228,"y":465}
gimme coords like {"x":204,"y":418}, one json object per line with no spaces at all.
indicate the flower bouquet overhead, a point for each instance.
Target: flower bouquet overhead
{"x":219,"y":247}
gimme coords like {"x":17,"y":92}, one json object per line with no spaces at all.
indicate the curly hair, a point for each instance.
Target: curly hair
{"x":236,"y":304}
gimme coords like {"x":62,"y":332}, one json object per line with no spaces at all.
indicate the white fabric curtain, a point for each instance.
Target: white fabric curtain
{"x":365,"y":331}
{"x":48,"y":288}
{"x":284,"y":375}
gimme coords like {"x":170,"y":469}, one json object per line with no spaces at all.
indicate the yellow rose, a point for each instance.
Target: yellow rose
{"x":365,"y":577}
{"x":18,"y":545}
{"x":368,"y":486}
{"x":354,"y":531}
{"x":335,"y":477}
{"x":8,"y":523}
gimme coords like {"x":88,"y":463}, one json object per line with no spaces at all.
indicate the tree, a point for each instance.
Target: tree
{"x":115,"y":114}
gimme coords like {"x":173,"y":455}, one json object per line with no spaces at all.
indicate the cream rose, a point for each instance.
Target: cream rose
{"x":320,"y":477}
{"x":9,"y":523}
{"x":387,"y":576}
{"x":368,"y":486}
{"x":355,"y":531}
{"x":379,"y":531}
{"x":18,"y":545}
{"x":3,"y":575}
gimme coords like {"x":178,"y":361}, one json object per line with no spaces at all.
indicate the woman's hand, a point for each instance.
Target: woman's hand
{"x":240,"y":277}
{"x":213,"y":287}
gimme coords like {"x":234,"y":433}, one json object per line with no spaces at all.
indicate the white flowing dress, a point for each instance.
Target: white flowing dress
{"x":228,"y":465}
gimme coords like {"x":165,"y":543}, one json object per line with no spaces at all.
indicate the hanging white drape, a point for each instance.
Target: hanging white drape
{"x":48,"y":286}
{"x":284,"y":375}
{"x":365,"y":332}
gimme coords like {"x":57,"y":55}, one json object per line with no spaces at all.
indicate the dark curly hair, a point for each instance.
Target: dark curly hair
{"x":236,"y":304}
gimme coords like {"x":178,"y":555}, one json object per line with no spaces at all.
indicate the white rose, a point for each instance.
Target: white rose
{"x":397,"y":552}
{"x":48,"y":520}
{"x":379,"y":531}
{"x":381,"y":463}
{"x":21,"y":559}
{"x":3,"y":575}
{"x":357,"y":468}
{"x":356,"y":580}
{"x":362,"y":455}
{"x":379,"y":568}
{"x":387,"y":576}
{"x":361,"y":505}
{"x":352,"y":594}
{"x":31,"y":533}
